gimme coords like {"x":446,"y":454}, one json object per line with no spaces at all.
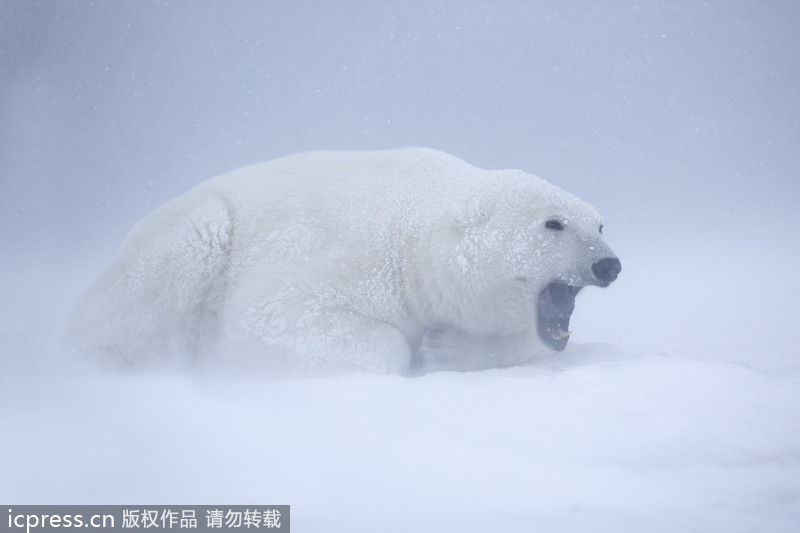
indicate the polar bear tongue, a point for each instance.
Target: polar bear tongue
{"x":556,"y":303}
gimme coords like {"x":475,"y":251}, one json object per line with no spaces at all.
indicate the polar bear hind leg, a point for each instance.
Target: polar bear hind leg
{"x":159,"y":300}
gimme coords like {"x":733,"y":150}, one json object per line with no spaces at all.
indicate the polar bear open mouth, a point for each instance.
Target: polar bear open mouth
{"x":556,"y":303}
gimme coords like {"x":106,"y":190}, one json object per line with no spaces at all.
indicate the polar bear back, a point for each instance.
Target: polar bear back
{"x":347,"y":191}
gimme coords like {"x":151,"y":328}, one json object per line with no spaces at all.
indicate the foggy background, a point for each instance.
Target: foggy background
{"x":678,"y":120}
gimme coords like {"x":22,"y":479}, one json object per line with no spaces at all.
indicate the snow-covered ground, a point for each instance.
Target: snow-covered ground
{"x":603,"y":437}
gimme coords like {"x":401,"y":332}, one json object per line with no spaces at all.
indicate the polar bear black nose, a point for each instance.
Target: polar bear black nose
{"x":606,"y":270}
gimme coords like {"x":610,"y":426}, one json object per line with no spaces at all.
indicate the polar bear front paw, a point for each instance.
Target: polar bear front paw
{"x":442,"y":348}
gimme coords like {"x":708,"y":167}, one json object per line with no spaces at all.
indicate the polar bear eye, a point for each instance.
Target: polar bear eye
{"x":554,"y":224}
{"x":601,"y":229}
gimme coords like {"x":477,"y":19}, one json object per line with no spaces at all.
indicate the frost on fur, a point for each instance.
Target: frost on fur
{"x":395,"y":261}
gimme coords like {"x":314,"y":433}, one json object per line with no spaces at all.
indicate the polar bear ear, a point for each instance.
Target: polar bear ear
{"x":469,"y":213}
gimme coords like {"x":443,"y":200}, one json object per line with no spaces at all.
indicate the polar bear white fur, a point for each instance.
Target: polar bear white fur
{"x":395,"y":261}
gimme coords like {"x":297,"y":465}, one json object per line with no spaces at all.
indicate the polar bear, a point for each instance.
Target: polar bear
{"x":400,"y":261}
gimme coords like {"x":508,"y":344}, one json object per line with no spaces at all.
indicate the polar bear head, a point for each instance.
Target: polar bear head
{"x":514,"y":255}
